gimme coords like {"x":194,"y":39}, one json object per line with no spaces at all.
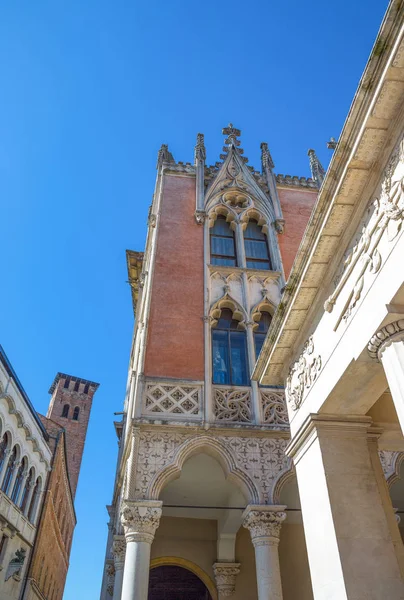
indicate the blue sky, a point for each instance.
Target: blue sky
{"x":89,"y":91}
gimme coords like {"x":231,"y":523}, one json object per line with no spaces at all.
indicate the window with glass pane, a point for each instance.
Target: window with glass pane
{"x":256,"y":247}
{"x":261,"y":332}
{"x":9,"y":471}
{"x":229,"y":351}
{"x":222,"y":243}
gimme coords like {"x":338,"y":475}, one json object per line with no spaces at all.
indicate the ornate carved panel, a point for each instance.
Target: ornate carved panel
{"x":274,"y":411}
{"x":232,"y":404}
{"x":172,"y":400}
{"x":302,"y":374}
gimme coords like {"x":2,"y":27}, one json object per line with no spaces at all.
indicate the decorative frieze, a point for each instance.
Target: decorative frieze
{"x":383,"y":224}
{"x":302,"y":375}
{"x":118,"y":551}
{"x":232,"y":404}
{"x":225,"y":577}
{"x":259,"y":461}
{"x":110,"y":575}
{"x":274,"y":411}
{"x":171,"y":399}
{"x":384,"y":337}
{"x":295,"y":181}
{"x":140,"y":520}
{"x":263,"y":524}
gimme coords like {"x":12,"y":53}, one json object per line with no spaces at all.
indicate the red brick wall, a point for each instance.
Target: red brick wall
{"x":175,"y":336}
{"x":296,"y":207}
{"x":76,"y":431}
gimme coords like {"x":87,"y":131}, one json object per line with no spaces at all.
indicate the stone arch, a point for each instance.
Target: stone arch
{"x":280,"y":482}
{"x":265,"y":305}
{"x":254,"y":214}
{"x":176,"y":561}
{"x":215,"y":449}
{"x":393,"y":474}
{"x":226,"y":301}
{"x":225,"y":211}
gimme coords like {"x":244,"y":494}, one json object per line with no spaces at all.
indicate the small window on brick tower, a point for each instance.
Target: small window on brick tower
{"x":65,"y":412}
{"x":76,"y":414}
{"x":86,"y":388}
{"x":76,"y":386}
{"x":66,"y":384}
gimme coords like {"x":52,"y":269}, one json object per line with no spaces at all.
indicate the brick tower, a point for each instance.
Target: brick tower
{"x":70,"y":407}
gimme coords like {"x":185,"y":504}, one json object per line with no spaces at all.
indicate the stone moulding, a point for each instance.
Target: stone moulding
{"x":384,"y":337}
{"x":172,"y":399}
{"x":302,"y":375}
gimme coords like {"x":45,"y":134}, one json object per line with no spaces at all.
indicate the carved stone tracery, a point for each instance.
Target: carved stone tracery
{"x":232,"y":404}
{"x":274,"y":411}
{"x":166,"y":398}
{"x":302,"y":375}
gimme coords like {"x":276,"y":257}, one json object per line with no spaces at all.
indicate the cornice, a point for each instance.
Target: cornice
{"x":369,"y":134}
{"x":295,"y":182}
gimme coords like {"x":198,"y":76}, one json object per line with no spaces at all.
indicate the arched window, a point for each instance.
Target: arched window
{"x":34,"y":500}
{"x":27,"y":487}
{"x":76,"y":414}
{"x":256,"y":247}
{"x":76,"y":386}
{"x":22,"y":469}
{"x":9,"y":471}
{"x":65,"y":411}
{"x":229,"y":351}
{"x":3,"y":449}
{"x":222,"y":243}
{"x":261,"y":331}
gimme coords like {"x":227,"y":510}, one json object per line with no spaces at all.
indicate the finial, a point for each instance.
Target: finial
{"x":231,"y":140}
{"x":317,"y":170}
{"x":266,"y":158}
{"x":200,"y":150}
{"x":164,"y":155}
{"x":332,"y":144}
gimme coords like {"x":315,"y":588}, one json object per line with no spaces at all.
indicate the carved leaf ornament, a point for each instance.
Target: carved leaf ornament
{"x":302,"y":375}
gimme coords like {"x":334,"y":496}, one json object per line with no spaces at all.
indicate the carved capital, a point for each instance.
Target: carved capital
{"x":279,"y":225}
{"x":118,"y":551}
{"x":384,"y":337}
{"x":264,"y":523}
{"x":140,"y":520}
{"x":225,"y":576}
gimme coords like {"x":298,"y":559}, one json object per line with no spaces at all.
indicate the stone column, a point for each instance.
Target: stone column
{"x":387,"y":346}
{"x":118,"y":552}
{"x":225,"y":576}
{"x":349,"y":546}
{"x":264,"y":523}
{"x":140,"y":520}
{"x":4,"y":466}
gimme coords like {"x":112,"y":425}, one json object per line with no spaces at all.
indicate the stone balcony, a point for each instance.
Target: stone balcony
{"x":12,"y":518}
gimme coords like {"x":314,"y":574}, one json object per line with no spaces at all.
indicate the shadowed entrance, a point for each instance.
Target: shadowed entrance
{"x":176,"y":583}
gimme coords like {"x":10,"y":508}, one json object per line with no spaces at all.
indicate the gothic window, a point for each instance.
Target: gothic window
{"x":222,"y":243}
{"x":65,"y":411}
{"x":3,"y":448}
{"x":261,"y":331}
{"x":9,"y":471}
{"x":229,"y":351}
{"x":19,"y":479}
{"x":27,"y":487}
{"x":34,"y":500}
{"x":256,"y":247}
{"x":76,"y":414}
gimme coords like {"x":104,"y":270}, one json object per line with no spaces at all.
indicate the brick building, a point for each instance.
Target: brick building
{"x":66,"y":424}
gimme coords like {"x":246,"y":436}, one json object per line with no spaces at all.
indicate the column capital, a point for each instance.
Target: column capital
{"x":393,"y":332}
{"x":118,"y":551}
{"x":264,"y":522}
{"x":140,"y":519}
{"x":225,"y":576}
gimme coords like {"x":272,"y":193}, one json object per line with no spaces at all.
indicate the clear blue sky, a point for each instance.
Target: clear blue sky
{"x":89,"y":91}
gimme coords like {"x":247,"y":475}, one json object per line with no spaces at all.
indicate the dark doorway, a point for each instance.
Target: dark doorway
{"x":176,"y":583}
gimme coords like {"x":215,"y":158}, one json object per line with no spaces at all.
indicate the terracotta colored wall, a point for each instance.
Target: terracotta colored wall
{"x":296,"y":207}
{"x":175,"y":335}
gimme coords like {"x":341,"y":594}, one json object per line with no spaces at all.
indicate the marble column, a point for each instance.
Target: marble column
{"x":140,"y":520}
{"x":349,"y":545}
{"x":264,"y":523}
{"x":387,"y":346}
{"x":225,"y":577}
{"x":118,"y":551}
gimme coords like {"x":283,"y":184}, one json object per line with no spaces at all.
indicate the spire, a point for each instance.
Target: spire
{"x":266,"y":158}
{"x":231,"y":141}
{"x":164,"y":155}
{"x":200,"y":150}
{"x":316,"y":167}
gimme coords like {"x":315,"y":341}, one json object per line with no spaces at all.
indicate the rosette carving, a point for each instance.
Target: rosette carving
{"x":140,"y":520}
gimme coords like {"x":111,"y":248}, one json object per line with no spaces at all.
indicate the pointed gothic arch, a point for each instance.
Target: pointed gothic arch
{"x":215,"y":449}
{"x":225,"y":211}
{"x":226,"y":301}
{"x":252,"y":214}
{"x":265,"y":305}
